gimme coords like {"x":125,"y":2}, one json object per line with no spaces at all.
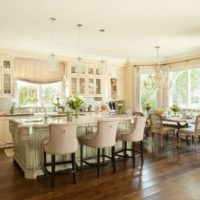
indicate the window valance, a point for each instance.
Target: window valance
{"x":38,"y":71}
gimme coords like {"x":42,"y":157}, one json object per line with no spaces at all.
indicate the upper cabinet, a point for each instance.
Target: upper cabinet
{"x":116,"y":89}
{"x":85,"y":81}
{"x":6,"y":75}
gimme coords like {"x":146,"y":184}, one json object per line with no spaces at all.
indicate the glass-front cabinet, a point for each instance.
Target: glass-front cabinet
{"x":86,"y":86}
{"x":6,"y":77}
{"x":7,"y":83}
{"x":85,"y":79}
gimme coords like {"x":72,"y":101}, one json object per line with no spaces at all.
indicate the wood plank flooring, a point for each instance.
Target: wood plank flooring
{"x":171,"y":174}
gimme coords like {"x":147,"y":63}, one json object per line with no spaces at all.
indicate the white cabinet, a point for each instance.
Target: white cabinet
{"x":2,"y":132}
{"x":88,"y":83}
{"x":5,"y":135}
{"x":8,"y":136}
{"x":6,"y":77}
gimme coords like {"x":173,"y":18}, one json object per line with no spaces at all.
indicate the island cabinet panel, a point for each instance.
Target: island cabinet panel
{"x":5,"y":135}
{"x":28,"y":141}
{"x":2,"y":132}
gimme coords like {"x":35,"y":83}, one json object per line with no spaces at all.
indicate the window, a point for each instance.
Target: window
{"x":185,"y":90}
{"x":35,"y":94}
{"x":147,"y":95}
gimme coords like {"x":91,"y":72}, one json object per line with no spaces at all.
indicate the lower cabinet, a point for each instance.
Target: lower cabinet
{"x":2,"y":128}
{"x":5,"y":135}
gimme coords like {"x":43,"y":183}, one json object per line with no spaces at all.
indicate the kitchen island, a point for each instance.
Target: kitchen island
{"x":29,"y":133}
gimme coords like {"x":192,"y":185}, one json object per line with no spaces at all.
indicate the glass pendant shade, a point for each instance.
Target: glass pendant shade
{"x":79,"y":66}
{"x":102,"y":64}
{"x":52,"y":60}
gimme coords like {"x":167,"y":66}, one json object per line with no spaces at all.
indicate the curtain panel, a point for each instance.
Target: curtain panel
{"x":38,"y":71}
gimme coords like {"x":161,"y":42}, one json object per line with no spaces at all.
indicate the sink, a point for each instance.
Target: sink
{"x":33,"y":120}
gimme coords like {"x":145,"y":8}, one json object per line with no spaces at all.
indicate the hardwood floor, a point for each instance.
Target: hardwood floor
{"x":168,"y":174}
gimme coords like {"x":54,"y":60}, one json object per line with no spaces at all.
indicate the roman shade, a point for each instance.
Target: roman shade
{"x":38,"y":71}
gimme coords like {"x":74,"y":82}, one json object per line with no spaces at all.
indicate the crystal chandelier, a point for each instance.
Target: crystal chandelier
{"x":160,"y":79}
{"x":102,"y":65}
{"x":52,"y":58}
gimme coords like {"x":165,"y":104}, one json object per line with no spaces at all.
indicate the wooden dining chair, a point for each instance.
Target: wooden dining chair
{"x":157,"y":128}
{"x":192,"y":130}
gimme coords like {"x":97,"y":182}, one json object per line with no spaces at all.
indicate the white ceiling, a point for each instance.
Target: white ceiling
{"x":133,"y":27}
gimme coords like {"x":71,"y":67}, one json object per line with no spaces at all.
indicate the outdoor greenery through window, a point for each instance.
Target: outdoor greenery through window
{"x":33,"y":94}
{"x":147,"y":95}
{"x":185,"y":89}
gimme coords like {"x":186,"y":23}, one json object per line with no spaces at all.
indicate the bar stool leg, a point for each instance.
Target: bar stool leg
{"x":74,"y":166}
{"x":125,"y":148}
{"x":103,"y":153}
{"x":133,"y":153}
{"x":141,"y":149}
{"x":113,"y":159}
{"x":98,"y":162}
{"x":81,"y":155}
{"x":52,"y":170}
{"x":45,"y":163}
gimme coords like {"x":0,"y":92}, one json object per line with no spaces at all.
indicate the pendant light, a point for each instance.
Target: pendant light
{"x":102,"y":65}
{"x":161,"y":79}
{"x":52,"y":58}
{"x":79,"y":68}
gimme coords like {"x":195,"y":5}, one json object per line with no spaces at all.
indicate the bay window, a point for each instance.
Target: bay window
{"x":185,"y":90}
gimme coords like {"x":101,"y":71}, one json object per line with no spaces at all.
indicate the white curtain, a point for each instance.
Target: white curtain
{"x":38,"y":71}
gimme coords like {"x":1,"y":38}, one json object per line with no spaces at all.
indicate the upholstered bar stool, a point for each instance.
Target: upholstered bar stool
{"x":134,"y":136}
{"x":62,"y":141}
{"x":105,"y":137}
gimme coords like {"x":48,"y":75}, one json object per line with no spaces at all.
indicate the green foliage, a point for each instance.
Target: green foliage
{"x":32,"y":100}
{"x":75,"y":102}
{"x":147,"y":106}
{"x":175,"y":107}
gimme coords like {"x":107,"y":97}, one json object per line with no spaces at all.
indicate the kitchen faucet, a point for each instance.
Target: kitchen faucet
{"x":45,"y":111}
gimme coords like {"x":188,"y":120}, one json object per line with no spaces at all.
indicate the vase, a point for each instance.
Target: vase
{"x":175,"y":114}
{"x":76,"y":113}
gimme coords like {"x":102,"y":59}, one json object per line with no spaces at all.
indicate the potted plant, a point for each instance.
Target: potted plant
{"x":175,"y":108}
{"x":148,"y":107}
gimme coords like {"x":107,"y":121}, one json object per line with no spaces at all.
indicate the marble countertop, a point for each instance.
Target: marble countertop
{"x":81,"y":121}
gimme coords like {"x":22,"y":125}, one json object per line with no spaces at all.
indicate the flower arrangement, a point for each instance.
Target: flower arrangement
{"x":159,"y":111}
{"x":74,"y":103}
{"x":104,"y":108}
{"x":175,"y":108}
{"x":148,"y":106}
{"x":119,"y":105}
{"x":101,"y":108}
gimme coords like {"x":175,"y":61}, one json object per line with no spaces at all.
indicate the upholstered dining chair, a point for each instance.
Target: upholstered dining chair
{"x":62,"y":141}
{"x":139,"y":114}
{"x":134,"y":136}
{"x":105,"y":137}
{"x":192,"y":130}
{"x":157,"y":128}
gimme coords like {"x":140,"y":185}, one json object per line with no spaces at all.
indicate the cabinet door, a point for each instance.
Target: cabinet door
{"x":74,"y":85}
{"x":113,"y":83}
{"x":82,"y":86}
{"x":7,"y":83}
{"x":8,"y":136}
{"x":91,"y":86}
{"x":7,"y":64}
{"x":2,"y":128}
{"x":98,"y":86}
